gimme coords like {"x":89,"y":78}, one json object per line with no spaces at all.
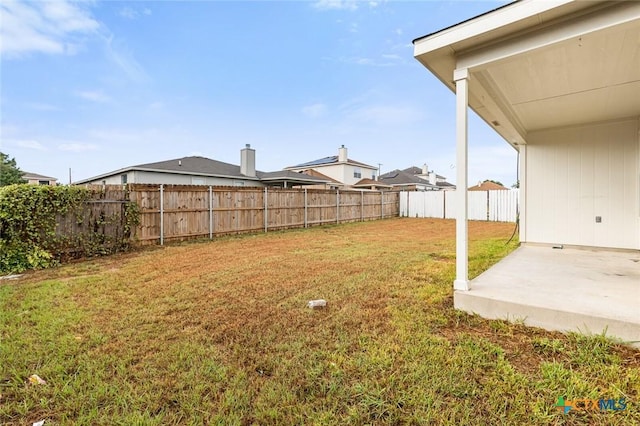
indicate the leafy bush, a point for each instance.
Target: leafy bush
{"x":31,"y":235}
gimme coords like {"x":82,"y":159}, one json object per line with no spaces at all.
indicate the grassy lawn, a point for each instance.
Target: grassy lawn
{"x":219,"y":333}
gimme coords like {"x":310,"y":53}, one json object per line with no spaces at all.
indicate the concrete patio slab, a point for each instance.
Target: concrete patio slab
{"x":584,"y":290}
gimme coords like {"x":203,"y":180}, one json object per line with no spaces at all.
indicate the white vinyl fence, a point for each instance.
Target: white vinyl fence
{"x":495,"y":206}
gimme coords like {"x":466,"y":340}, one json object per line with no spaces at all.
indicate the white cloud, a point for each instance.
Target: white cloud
{"x":127,"y":12}
{"x":336,"y":5}
{"x":315,"y":110}
{"x":130,"y":13}
{"x":45,"y":27}
{"x":77,"y":147}
{"x":118,"y":53}
{"x":386,"y":114}
{"x":29,"y":144}
{"x":39,"y":106}
{"x":94,"y":96}
{"x":388,"y":61}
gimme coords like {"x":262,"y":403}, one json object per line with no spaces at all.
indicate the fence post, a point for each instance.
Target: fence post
{"x":161,"y":214}
{"x":444,"y":205}
{"x":305,"y":208}
{"x":266,"y":218}
{"x":381,"y":205}
{"x":362,"y":205}
{"x":210,"y":213}
{"x":337,"y":205}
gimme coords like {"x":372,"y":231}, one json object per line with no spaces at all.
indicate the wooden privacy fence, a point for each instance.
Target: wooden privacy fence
{"x":97,"y":226}
{"x":495,"y":206}
{"x":176,"y":212}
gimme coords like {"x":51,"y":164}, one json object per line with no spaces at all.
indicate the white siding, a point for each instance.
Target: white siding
{"x":575,"y":174}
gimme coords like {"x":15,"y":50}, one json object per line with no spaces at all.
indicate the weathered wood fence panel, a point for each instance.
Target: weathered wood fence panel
{"x":177,"y":212}
{"x":497,"y":206}
{"x":99,"y":222}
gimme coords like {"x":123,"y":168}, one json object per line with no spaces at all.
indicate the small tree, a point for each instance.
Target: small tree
{"x":9,"y":171}
{"x":494,"y":181}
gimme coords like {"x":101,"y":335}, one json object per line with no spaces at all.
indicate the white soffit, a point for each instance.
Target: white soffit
{"x":581,"y":66}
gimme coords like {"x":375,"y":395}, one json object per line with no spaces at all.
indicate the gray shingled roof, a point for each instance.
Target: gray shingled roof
{"x":207,"y":167}
{"x":199,"y":165}
{"x":400,"y":177}
{"x":418,"y":171}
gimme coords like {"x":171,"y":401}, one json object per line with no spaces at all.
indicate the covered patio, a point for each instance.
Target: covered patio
{"x":564,"y":289}
{"x":560,"y":82}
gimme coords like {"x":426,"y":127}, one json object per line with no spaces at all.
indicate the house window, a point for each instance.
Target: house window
{"x":43,"y":182}
{"x":123,"y":179}
{"x":357,"y":173}
{"x":373,"y":176}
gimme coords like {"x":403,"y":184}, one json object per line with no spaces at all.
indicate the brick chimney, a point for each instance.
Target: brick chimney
{"x":248,"y":161}
{"x":342,"y":154}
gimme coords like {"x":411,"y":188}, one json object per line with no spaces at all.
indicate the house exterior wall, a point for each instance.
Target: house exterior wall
{"x":576,"y":174}
{"x":49,"y":182}
{"x":137,"y":176}
{"x":343,"y":172}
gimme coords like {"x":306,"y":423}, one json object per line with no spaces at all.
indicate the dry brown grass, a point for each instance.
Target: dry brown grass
{"x":218,"y":332}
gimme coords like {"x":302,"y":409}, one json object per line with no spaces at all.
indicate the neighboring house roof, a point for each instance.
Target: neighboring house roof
{"x":201,"y":166}
{"x":487,"y":185}
{"x":371,"y":183}
{"x":35,"y":176}
{"x":326,"y":161}
{"x":315,"y":173}
{"x":418,"y":171}
{"x":444,"y":185}
{"x":400,"y":177}
{"x":287,"y":176}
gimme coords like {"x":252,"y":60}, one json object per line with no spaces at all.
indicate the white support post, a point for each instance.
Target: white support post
{"x":210,"y":213}
{"x":522,"y":194}
{"x":461,"y":77}
{"x":161,"y":214}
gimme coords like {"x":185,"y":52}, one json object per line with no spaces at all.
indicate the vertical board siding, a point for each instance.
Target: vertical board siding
{"x":582,"y":185}
{"x":495,"y":206}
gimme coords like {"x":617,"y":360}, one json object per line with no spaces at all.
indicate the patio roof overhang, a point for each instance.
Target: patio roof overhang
{"x":533,"y":65}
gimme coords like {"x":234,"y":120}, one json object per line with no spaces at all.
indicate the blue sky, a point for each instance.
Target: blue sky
{"x":101,"y":85}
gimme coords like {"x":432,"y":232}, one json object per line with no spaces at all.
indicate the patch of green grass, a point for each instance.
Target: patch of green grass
{"x":219,"y":333}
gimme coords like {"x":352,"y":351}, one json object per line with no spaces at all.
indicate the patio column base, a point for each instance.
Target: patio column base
{"x":462,"y":285}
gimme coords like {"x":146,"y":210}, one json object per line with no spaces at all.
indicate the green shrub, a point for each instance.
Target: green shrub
{"x":30,"y":233}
